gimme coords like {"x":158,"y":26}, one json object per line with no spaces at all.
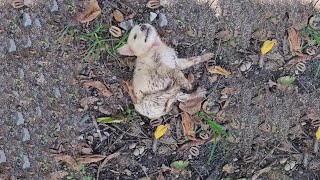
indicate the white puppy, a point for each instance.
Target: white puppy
{"x":158,"y":78}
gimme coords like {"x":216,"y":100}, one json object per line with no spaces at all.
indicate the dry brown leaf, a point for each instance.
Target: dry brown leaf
{"x":17,"y":4}
{"x":294,"y":40}
{"x":187,"y":125}
{"x":129,"y":89}
{"x":118,"y":16}
{"x":91,"y":158}
{"x":228,"y":168}
{"x":224,"y":35}
{"x":153,"y":4}
{"x":227,"y":91}
{"x":99,"y":85}
{"x":115,"y":31}
{"x":193,"y":106}
{"x":85,"y":148}
{"x":219,"y":70}
{"x":69,"y":160}
{"x":58,"y":175}
{"x":296,"y":60}
{"x":107,"y":159}
{"x":88,"y":101}
{"x":191,"y":32}
{"x":91,"y":12}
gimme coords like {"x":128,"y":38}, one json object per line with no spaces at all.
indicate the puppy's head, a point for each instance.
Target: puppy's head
{"x":141,"y":39}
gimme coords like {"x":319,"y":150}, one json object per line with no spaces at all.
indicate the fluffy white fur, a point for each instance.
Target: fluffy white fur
{"x":158,"y":78}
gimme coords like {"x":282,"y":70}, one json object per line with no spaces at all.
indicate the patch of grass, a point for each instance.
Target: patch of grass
{"x":83,"y":173}
{"x":97,"y":43}
{"x":129,"y":113}
{"x":216,"y":129}
{"x":318,"y":70}
{"x":315,"y":36}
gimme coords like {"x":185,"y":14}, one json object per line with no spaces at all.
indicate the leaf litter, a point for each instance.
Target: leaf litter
{"x":91,"y":12}
{"x":98,"y":85}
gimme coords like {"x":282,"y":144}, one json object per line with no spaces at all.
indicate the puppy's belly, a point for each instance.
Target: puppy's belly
{"x":145,"y":86}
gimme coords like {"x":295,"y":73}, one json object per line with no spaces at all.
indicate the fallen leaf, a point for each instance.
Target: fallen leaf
{"x":224,"y":35}
{"x":91,"y":12}
{"x":267,"y":46}
{"x":69,"y":160}
{"x":193,"y":106}
{"x":58,"y":175}
{"x":227,"y":91}
{"x":86,"y":149}
{"x":260,"y":35}
{"x":160,"y":176}
{"x":191,"y":32}
{"x":107,"y":159}
{"x":286,"y":80}
{"x":91,"y":158}
{"x":219,"y":70}
{"x":318,"y":134}
{"x":228,"y":168}
{"x":180,"y":165}
{"x":115,"y":31}
{"x":99,"y":85}
{"x":153,"y":4}
{"x":109,"y":120}
{"x":187,"y":125}
{"x":294,"y":40}
{"x":129,"y":89}
{"x":161,"y":130}
{"x":296,"y":60}
{"x":118,"y":16}
{"x":84,"y":102}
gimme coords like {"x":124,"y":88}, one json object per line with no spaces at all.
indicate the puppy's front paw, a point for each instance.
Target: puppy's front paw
{"x":207,"y":56}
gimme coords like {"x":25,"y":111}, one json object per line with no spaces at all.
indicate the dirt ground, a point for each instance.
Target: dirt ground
{"x":271,"y":130}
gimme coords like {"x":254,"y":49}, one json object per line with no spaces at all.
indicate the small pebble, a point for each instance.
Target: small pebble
{"x":136,"y":152}
{"x":127,"y":172}
{"x":21,"y":73}
{"x":39,"y":112}
{"x":287,"y":167}
{"x":153,"y":16}
{"x":26,"y":162}
{"x":245,"y":66}
{"x":26,"y":20}
{"x":57,"y":93}
{"x":292,"y":164}
{"x":37,"y":23}
{"x":283,"y":160}
{"x":3,"y":158}
{"x":141,"y":149}
{"x":132,"y":146}
{"x":41,"y":79}
{"x":26,"y":135}
{"x":54,"y":6}
{"x":28,"y":42}
{"x":163,"y":20}
{"x":12,"y":46}
{"x":20,"y":119}
{"x":126,"y":25}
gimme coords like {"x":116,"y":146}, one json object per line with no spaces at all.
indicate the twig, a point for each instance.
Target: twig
{"x":97,"y":127}
{"x":107,"y":159}
{"x":261,"y":171}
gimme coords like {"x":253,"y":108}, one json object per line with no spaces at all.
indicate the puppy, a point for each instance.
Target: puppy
{"x":158,"y":77}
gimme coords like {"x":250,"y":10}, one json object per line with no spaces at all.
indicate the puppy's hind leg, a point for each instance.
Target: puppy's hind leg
{"x":185,"y":63}
{"x":183,"y":97}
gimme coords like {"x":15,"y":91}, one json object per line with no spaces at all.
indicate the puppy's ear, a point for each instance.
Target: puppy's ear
{"x":125,"y":50}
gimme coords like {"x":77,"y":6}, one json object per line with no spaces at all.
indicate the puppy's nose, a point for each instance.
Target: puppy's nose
{"x":143,"y":27}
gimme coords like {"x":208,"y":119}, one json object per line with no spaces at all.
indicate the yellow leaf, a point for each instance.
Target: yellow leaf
{"x":161,"y":130}
{"x":318,"y":134}
{"x":267,"y":46}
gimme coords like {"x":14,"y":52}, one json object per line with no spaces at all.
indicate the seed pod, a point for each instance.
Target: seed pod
{"x":153,"y":4}
{"x":194,"y":151}
{"x":17,"y":4}
{"x":115,"y":31}
{"x":301,"y":66}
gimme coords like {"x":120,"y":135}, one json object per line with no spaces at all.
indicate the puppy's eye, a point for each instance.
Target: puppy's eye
{"x":135,"y":36}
